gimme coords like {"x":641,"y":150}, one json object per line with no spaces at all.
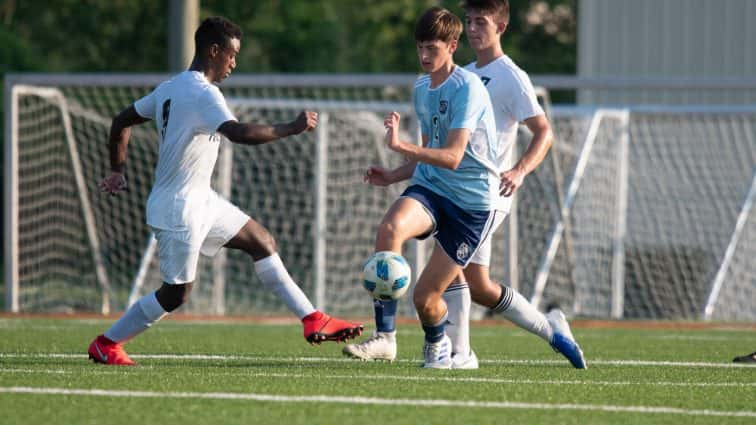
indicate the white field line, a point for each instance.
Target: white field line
{"x":696,"y":337}
{"x":45,"y":371}
{"x":361,"y":377}
{"x":377,"y":401}
{"x":506,"y":329}
{"x":597,"y":362}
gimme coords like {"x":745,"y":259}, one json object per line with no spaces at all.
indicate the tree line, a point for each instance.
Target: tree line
{"x":295,"y":36}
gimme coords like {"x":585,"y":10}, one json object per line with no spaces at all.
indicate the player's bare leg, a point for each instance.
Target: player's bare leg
{"x":432,"y":310}
{"x":256,"y":241}
{"x":405,"y":219}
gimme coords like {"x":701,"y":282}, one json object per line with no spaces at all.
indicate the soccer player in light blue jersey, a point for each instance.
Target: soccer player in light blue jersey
{"x":513,"y":100}
{"x":454,"y":180}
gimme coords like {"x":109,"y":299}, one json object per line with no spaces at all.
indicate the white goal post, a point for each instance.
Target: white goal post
{"x":659,"y":200}
{"x":642,"y":212}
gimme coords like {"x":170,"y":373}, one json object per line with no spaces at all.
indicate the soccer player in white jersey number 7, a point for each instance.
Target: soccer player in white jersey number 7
{"x":453,"y":180}
{"x":514,"y":101}
{"x":187,"y":217}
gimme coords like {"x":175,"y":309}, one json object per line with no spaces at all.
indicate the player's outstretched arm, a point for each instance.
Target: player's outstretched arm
{"x":379,"y":176}
{"x":539,"y":146}
{"x":257,"y":134}
{"x":118,"y":142}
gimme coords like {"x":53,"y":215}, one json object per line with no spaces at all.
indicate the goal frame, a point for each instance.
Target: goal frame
{"x":11,"y":194}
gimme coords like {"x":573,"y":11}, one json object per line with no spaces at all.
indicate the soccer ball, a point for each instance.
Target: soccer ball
{"x":386,"y":275}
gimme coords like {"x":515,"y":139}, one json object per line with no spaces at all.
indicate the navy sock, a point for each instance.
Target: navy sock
{"x":435,"y":333}
{"x":385,"y":315}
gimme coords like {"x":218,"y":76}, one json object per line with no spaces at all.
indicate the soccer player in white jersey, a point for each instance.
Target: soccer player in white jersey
{"x":514,"y":101}
{"x":187,"y":217}
{"x":453,"y":175}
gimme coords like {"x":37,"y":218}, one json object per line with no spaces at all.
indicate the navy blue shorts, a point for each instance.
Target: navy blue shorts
{"x":459,"y":232}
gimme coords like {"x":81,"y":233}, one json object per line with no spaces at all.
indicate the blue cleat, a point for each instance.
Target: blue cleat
{"x":563,"y":342}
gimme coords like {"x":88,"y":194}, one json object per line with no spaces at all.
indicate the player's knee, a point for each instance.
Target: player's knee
{"x":258,"y":245}
{"x":174,"y":296}
{"x":270,"y":244}
{"x":266,"y":246}
{"x":425,"y":305}
{"x":388,"y":230}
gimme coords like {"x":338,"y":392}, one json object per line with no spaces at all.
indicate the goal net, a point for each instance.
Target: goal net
{"x":635,"y":213}
{"x":75,"y":249}
{"x":655,"y":220}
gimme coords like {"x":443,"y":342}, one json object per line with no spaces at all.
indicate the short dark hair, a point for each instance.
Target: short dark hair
{"x":438,"y":23}
{"x":216,"y":30}
{"x":497,"y":8}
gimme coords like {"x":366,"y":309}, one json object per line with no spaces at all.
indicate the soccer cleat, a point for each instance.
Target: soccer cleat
{"x":461,"y":361}
{"x":105,"y":351}
{"x":562,"y":340}
{"x":748,"y":358}
{"x":380,"y":346}
{"x":438,"y":354}
{"x":319,"y":327}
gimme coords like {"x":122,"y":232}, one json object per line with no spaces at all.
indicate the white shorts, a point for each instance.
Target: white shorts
{"x":179,"y":250}
{"x":483,"y":254}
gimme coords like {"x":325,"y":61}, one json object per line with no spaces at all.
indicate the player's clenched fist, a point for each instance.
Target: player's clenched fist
{"x":391,"y":120}
{"x":113,"y":183}
{"x":378,"y":176}
{"x":306,"y":121}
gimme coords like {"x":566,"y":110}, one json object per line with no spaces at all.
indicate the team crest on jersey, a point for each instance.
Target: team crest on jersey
{"x":443,"y":106}
{"x":463,"y":251}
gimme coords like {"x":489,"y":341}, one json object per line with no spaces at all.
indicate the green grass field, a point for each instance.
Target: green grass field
{"x":244,"y":373}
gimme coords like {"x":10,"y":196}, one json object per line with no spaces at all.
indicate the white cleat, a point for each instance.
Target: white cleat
{"x":438,"y":355}
{"x":380,"y":346}
{"x":461,"y":361}
{"x":563,"y":341}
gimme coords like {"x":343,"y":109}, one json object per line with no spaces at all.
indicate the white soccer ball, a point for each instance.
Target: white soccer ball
{"x":387,"y":275}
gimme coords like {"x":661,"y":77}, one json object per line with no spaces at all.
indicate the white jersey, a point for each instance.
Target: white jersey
{"x":513,"y":100}
{"x":187,"y":111}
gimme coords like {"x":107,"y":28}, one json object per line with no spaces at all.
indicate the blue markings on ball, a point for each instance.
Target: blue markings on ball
{"x":370,"y":286}
{"x":386,"y":275}
{"x":400,"y":283}
{"x":399,"y":259}
{"x":382,"y":269}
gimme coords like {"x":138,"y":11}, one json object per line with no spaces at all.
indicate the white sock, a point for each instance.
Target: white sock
{"x":520,"y":312}
{"x":273,"y":274}
{"x":137,"y":319}
{"x":457,"y":297}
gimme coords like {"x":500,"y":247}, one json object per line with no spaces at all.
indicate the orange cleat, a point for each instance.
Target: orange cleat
{"x":319,"y":327}
{"x":102,"y":350}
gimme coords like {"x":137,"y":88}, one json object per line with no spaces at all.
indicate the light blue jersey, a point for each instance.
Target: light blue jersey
{"x":461,"y":101}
